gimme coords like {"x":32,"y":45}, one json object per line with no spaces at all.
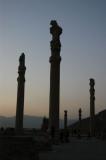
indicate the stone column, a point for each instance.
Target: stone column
{"x":54,"y":60}
{"x":80,"y":118}
{"x":80,"y":114}
{"x":92,"y":107}
{"x":65,"y":119}
{"x":20,"y":93}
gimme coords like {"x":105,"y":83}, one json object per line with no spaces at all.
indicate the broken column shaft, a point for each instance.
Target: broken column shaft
{"x":65,"y":119}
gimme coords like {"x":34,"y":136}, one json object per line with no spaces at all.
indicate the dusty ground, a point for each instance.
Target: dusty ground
{"x":76,"y":149}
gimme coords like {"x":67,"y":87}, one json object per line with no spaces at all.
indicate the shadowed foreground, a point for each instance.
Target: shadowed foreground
{"x":83,"y":149}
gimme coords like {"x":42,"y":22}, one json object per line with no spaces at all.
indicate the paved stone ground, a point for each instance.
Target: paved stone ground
{"x":76,"y":149}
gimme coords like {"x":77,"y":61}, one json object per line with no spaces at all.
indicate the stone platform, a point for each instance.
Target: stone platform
{"x":77,"y":149}
{"x":18,"y":148}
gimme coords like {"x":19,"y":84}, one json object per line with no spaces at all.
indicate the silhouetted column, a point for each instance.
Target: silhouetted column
{"x":80,"y":114}
{"x":80,"y":118}
{"x":20,"y":93}
{"x":54,"y":60}
{"x":65,"y":119}
{"x":92,"y":107}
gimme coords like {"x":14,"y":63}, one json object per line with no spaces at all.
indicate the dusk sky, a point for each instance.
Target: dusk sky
{"x":24,"y":27}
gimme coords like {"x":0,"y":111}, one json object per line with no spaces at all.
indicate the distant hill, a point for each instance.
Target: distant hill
{"x":29,"y":121}
{"x":100,"y":123}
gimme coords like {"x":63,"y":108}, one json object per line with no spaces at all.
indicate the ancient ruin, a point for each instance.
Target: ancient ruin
{"x":21,"y":143}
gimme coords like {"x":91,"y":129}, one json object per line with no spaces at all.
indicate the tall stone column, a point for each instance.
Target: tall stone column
{"x":20,"y":93}
{"x":54,"y":60}
{"x":92,"y":107}
{"x":65,"y":119}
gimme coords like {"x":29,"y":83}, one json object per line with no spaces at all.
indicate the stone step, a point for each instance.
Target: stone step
{"x":18,"y":148}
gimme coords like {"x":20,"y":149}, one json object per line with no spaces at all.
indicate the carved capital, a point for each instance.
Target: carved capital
{"x":55,"y":30}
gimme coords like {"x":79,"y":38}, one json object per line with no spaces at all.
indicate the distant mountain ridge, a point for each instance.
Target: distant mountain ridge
{"x":100,"y":122}
{"x":29,"y":121}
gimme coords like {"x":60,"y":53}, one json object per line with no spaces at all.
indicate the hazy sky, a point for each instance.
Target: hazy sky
{"x":24,"y":27}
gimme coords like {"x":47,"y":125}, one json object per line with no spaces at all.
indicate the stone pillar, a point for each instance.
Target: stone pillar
{"x":80,"y":114}
{"x":92,"y":107}
{"x":65,"y":119}
{"x":80,"y":118}
{"x":54,"y":60}
{"x":20,"y":93}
